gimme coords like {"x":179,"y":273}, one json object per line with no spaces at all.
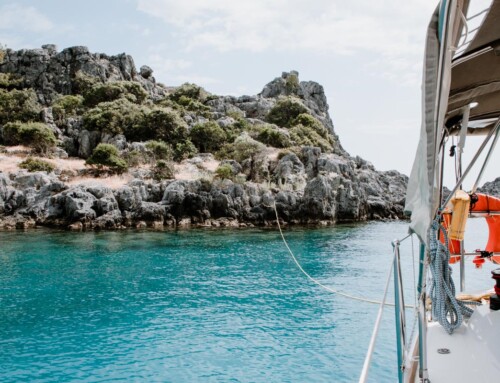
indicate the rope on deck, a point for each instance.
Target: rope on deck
{"x":446,"y":308}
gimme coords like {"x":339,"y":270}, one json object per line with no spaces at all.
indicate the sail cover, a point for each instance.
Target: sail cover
{"x":423,"y":194}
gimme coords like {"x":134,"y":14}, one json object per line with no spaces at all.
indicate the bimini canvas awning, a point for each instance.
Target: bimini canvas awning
{"x":461,"y":68}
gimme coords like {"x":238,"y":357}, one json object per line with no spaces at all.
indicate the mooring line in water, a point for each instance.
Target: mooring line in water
{"x":329,"y":289}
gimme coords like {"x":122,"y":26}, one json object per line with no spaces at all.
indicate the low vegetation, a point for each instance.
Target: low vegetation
{"x":208,"y":137}
{"x":286,"y":110}
{"x":106,"y":157}
{"x":32,"y":164}
{"x":224,"y":171}
{"x":67,"y":106}
{"x":36,"y":135}
{"x":111,"y":91}
{"x":163,"y":170}
{"x":159,"y":150}
{"x":19,"y":105}
{"x":183,"y":122}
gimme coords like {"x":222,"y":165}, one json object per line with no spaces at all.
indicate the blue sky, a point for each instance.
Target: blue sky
{"x":367,"y":54}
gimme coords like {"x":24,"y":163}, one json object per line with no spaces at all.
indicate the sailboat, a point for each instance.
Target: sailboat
{"x":457,"y":338}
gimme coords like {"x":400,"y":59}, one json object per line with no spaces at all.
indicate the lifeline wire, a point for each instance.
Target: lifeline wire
{"x":329,"y":289}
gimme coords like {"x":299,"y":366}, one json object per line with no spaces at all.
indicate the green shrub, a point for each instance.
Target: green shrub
{"x":67,"y":106}
{"x":193,"y":105}
{"x":106,"y":155}
{"x":306,"y":136}
{"x":163,"y":170}
{"x":161,"y":124}
{"x":269,"y":135}
{"x":183,"y":150}
{"x":19,"y":105}
{"x":191,"y":91}
{"x":117,"y":117}
{"x":11,"y":133}
{"x":134,"y":158}
{"x":32,"y":164}
{"x":285,"y":111}
{"x":82,"y":82}
{"x":208,"y":137}
{"x":306,"y":119}
{"x":224,"y":171}
{"x":244,"y":147}
{"x":292,"y":83}
{"x":10,"y":81}
{"x":159,"y":150}
{"x":111,"y":91}
{"x":34,"y":134}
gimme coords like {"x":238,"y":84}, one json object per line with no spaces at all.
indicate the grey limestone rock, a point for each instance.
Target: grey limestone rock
{"x":491,"y":188}
{"x":87,"y":141}
{"x":50,"y":72}
{"x":290,"y":171}
{"x":79,"y":205}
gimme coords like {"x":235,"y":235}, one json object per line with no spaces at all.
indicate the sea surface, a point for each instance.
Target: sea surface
{"x":200,"y":305}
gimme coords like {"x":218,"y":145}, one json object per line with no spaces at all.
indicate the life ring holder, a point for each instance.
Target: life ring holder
{"x":484,"y":206}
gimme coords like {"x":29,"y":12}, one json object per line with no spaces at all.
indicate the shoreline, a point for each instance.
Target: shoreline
{"x":270,"y":225}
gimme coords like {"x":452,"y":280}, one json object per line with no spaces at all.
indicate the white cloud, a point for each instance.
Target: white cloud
{"x":332,"y":26}
{"x":387,"y":30}
{"x":17,"y":17}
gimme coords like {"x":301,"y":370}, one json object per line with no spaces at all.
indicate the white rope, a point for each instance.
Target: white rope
{"x":329,"y":289}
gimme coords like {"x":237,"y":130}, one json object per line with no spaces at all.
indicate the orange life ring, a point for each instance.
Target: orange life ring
{"x":482,"y":203}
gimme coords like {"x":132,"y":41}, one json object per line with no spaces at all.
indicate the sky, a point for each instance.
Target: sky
{"x":367,"y":54}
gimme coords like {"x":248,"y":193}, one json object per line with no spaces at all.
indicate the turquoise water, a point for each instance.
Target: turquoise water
{"x":193,"y":306}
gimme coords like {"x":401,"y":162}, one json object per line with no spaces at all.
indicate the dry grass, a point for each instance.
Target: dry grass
{"x":12,"y":156}
{"x":189,"y":171}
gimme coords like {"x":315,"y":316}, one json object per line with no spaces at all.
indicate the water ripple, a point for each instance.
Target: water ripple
{"x":191,"y":306}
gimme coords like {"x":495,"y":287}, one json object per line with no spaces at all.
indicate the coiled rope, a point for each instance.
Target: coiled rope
{"x":448,"y":310}
{"x":329,"y":289}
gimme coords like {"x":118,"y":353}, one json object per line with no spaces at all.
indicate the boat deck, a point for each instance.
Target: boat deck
{"x":474,"y":350}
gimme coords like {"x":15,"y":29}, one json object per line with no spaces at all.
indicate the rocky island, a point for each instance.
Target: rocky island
{"x":87,"y":141}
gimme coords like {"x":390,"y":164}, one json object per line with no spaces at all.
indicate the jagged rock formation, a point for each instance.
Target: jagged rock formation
{"x":307,"y":186}
{"x":491,"y":188}
{"x":51,"y":73}
{"x":330,"y":189}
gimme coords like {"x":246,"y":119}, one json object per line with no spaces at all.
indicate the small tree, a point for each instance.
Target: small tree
{"x":207,"y":137}
{"x":106,"y":155}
